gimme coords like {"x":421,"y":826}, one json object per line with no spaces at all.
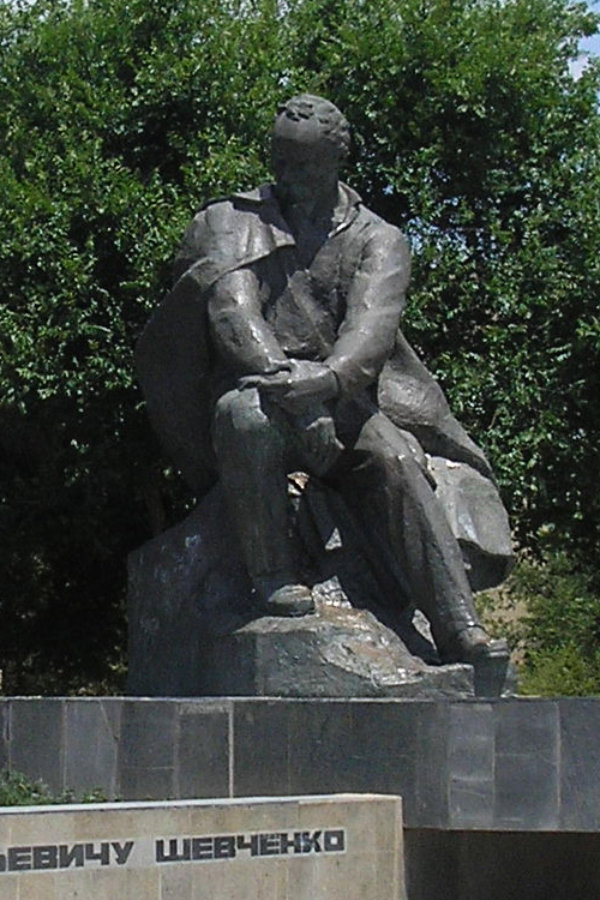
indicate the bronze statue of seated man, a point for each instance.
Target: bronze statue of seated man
{"x":302,"y":366}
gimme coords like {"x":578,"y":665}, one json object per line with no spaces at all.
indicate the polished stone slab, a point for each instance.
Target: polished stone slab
{"x":505,"y":765}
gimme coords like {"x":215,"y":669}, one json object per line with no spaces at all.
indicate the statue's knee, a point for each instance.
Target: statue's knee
{"x":239,"y":416}
{"x":397,"y":465}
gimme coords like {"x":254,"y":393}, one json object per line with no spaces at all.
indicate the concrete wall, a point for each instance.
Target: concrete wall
{"x":330,"y":848}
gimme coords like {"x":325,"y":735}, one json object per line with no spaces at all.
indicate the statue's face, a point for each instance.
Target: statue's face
{"x":305,"y":163}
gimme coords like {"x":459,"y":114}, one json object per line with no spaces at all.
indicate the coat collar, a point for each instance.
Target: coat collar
{"x":264,"y":198}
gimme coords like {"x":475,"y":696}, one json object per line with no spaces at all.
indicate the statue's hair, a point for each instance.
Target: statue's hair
{"x":334,"y":126}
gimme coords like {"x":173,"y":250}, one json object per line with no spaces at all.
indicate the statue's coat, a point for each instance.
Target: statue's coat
{"x":176,"y":360}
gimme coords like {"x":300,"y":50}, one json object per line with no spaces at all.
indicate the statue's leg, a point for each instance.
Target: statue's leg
{"x":251,"y":451}
{"x":388,"y":488}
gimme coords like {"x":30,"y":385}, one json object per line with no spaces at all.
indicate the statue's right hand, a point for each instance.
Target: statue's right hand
{"x":299,"y":388}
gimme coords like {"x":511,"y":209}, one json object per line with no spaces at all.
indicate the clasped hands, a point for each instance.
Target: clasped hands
{"x":296,"y":387}
{"x":301,"y":391}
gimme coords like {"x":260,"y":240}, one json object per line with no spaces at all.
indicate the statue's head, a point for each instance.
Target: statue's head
{"x":311,"y":138}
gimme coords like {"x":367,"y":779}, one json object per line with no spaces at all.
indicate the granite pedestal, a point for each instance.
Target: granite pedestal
{"x":501,"y":798}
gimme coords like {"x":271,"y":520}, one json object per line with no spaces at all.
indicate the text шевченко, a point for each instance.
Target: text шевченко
{"x":52,"y":857}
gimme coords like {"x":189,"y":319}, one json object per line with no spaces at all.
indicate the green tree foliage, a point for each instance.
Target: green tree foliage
{"x":119,"y":118}
{"x":549,"y":611}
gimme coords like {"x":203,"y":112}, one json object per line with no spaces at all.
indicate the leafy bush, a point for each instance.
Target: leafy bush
{"x":17,"y":789}
{"x":565,"y":671}
{"x":562,"y":631}
{"x":549,"y":610}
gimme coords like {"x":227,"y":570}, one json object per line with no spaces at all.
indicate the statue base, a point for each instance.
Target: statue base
{"x":337,"y":652}
{"x":195,"y":629}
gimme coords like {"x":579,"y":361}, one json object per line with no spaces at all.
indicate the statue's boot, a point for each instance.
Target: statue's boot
{"x":473,"y":645}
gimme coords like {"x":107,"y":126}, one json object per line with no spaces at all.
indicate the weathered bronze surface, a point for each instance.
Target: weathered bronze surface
{"x":279,"y":350}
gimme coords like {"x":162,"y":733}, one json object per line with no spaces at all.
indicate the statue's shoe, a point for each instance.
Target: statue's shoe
{"x":281,"y":595}
{"x":473,"y":645}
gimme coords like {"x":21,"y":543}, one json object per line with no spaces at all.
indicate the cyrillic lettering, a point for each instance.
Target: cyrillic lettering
{"x":224,"y":847}
{"x":334,"y":841}
{"x":45,"y":857}
{"x":202,"y":848}
{"x":102,"y":855}
{"x":250,"y":843}
{"x":122,"y":851}
{"x":19,"y":859}
{"x":174,"y":854}
{"x":290,"y":843}
{"x":269,"y":845}
{"x":310,"y":843}
{"x":67,"y":855}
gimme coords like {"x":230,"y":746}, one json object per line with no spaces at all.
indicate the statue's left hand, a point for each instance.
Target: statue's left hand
{"x":318,"y":439}
{"x":294,"y":391}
